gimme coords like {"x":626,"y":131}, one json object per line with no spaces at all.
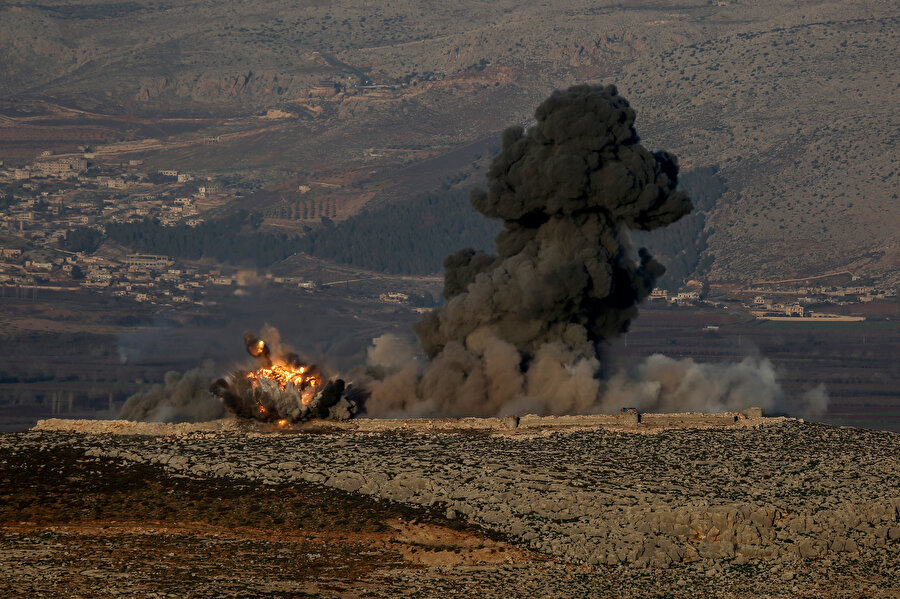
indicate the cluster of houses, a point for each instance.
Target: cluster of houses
{"x":684,"y":297}
{"x":765,"y":305}
{"x":142,"y":277}
{"x":49,"y":198}
{"x":58,"y":168}
{"x":49,"y":215}
{"x":791,"y":303}
{"x":56,"y":194}
{"x":832,"y":295}
{"x":394,"y":297}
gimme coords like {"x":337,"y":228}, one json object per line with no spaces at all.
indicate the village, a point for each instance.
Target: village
{"x":820,"y":303}
{"x":56,"y":210}
{"x":57,"y":196}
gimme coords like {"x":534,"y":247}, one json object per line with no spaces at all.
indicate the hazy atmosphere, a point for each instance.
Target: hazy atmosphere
{"x":276,"y":265}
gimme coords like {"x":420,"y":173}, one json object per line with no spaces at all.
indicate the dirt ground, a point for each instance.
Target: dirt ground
{"x":73,"y":528}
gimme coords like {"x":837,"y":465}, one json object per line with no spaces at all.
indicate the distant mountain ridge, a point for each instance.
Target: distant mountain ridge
{"x":794,"y":104}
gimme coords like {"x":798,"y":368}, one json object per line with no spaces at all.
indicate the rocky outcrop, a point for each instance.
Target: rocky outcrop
{"x":783,"y":492}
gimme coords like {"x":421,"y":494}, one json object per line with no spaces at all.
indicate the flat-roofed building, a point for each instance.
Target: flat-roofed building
{"x":147,"y":261}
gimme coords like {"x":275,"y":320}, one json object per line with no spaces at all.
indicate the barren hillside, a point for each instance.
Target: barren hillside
{"x":795,"y":103}
{"x":778,"y":509}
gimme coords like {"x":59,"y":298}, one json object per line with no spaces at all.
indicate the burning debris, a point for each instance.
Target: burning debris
{"x":257,"y":348}
{"x":283,"y":389}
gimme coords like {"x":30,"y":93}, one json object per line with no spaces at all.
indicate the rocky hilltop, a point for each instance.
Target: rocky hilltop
{"x":779,"y":496}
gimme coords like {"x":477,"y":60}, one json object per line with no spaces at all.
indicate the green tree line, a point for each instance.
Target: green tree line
{"x":80,"y":239}
{"x":234,"y":239}
{"x":409,"y":237}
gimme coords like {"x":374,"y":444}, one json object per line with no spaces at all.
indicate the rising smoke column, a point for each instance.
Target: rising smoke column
{"x":523,"y":327}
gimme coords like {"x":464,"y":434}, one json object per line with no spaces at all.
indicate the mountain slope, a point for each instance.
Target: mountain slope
{"x":795,"y":104}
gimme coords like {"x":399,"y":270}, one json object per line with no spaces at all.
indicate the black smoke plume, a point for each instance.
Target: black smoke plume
{"x":524,"y":325}
{"x":564,"y":190}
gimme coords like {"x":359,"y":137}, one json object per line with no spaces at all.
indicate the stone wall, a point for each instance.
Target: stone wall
{"x":629,"y":420}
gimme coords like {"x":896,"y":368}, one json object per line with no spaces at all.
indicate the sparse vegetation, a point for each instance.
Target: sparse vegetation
{"x":237,"y":511}
{"x":800,"y":110}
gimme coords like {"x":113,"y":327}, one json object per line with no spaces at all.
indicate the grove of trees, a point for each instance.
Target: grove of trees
{"x":235,"y":239}
{"x":409,"y":237}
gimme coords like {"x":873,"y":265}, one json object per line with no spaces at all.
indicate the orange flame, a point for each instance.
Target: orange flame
{"x":307,"y":383}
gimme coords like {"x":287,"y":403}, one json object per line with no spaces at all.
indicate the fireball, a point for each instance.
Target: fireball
{"x":282,"y":389}
{"x":257,"y":348}
{"x":303,"y":379}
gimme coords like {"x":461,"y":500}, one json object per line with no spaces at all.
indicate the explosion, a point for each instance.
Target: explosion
{"x":257,"y":348}
{"x":284,"y":375}
{"x":283,"y":389}
{"x":525,"y":330}
{"x":528,"y":322}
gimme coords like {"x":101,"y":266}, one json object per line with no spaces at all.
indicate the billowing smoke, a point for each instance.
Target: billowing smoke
{"x":555,"y":384}
{"x":181,"y":398}
{"x":567,"y":191}
{"x":523,"y":330}
{"x":814,"y":402}
{"x":663,"y":384}
{"x":527,"y":322}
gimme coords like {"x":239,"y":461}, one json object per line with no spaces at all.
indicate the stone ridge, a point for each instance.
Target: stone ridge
{"x":787,"y":491}
{"x":626,"y":421}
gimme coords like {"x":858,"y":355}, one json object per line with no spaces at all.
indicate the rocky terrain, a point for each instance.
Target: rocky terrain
{"x":776,"y":507}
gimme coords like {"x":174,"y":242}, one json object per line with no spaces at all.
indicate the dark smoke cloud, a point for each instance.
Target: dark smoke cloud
{"x":527,"y":322}
{"x":566,"y":191}
{"x":181,"y":398}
